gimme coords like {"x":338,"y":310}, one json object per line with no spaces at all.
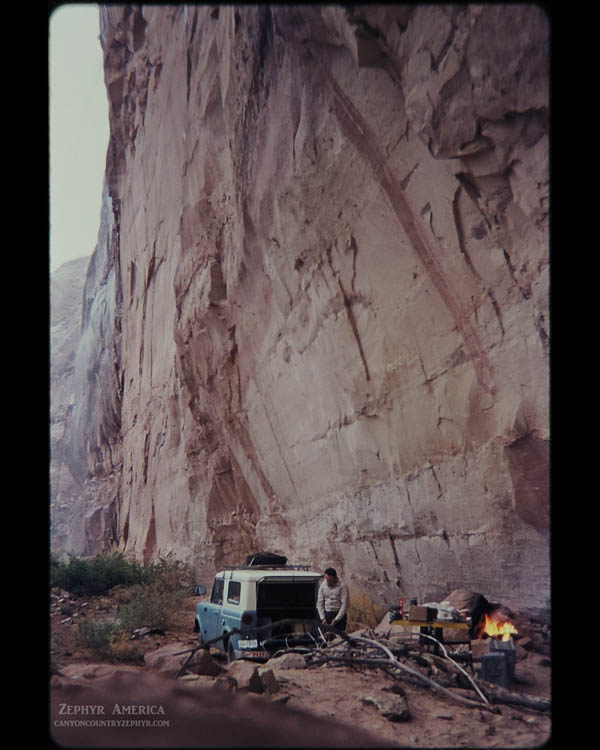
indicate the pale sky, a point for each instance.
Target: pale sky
{"x":78,"y":132}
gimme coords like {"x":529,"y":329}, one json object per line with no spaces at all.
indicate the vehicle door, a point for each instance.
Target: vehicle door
{"x":212,"y":613}
{"x":232,"y":611}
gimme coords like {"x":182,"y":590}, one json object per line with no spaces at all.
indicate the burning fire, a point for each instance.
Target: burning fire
{"x":497,"y":628}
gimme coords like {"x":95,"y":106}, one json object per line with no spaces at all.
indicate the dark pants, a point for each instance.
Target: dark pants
{"x":341,"y":625}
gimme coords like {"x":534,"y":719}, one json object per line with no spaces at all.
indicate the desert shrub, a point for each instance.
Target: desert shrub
{"x":124,"y":649}
{"x":155,"y":603}
{"x":55,"y":565}
{"x":170,"y":574}
{"x":363,"y":609}
{"x":98,"y":637}
{"x":96,"y":575}
{"x":152,"y":606}
{"x":148,"y":595}
{"x":122,"y":594}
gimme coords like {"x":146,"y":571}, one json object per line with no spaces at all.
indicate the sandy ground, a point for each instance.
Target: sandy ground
{"x":338,"y":691}
{"x":435,"y":721}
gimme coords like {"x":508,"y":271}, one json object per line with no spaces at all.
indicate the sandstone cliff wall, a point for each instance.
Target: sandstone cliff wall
{"x":66,"y":294}
{"x":318,"y":314}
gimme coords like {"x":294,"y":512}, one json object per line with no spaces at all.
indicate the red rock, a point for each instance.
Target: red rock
{"x":317,"y":314}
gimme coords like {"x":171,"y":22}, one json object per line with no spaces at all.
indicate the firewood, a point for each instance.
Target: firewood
{"x":499,"y":694}
{"x":425,"y":680}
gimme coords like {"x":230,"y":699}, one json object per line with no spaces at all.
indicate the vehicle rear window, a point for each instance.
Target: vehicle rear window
{"x":297,"y":594}
{"x":233,"y":592}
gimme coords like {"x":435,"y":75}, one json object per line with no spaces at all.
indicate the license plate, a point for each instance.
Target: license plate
{"x":248,"y":644}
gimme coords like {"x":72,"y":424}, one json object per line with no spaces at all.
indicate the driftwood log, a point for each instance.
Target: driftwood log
{"x":394,"y":665}
{"x":499,"y":694}
{"x":381,"y":652}
{"x":487,"y":693}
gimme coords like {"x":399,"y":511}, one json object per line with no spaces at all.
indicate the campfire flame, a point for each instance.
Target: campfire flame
{"x":497,"y":628}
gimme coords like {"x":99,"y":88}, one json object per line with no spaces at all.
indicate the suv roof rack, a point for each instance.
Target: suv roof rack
{"x":265,"y":558}
{"x":266,"y":567}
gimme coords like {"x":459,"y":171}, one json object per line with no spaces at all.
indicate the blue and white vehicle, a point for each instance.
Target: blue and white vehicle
{"x":254,"y":598}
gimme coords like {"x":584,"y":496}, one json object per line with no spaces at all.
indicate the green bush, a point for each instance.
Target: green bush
{"x":156,"y":602}
{"x":169,"y":574}
{"x":151,"y":595}
{"x":98,"y":636}
{"x":126,"y":650}
{"x":153,"y":606}
{"x":55,"y":565}
{"x":96,"y":575}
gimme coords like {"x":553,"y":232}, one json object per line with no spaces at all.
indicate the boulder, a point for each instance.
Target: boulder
{"x":245,"y":673}
{"x":391,"y":704}
{"x":288,"y":661}
{"x":167,"y":660}
{"x":225,"y":682}
{"x":203,"y":663}
{"x":96,"y":671}
{"x":269,"y":680}
{"x":143,"y":632}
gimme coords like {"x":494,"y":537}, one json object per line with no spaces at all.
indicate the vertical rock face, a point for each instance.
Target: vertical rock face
{"x":318,"y":318}
{"x":66,"y":293}
{"x":86,"y":439}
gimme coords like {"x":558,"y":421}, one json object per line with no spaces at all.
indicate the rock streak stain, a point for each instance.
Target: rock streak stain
{"x":358,"y":131}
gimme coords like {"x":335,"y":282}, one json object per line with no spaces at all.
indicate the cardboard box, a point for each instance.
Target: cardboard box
{"x":480,"y":647}
{"x":422,"y":614}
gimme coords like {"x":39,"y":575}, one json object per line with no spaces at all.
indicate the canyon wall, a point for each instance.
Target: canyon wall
{"x":316,"y":321}
{"x":66,"y":294}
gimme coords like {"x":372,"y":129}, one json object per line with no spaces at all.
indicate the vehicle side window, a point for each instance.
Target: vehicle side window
{"x":233,"y":592}
{"x":217,"y":592}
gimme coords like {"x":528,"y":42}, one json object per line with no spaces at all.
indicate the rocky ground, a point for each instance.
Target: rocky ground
{"x":358,"y":696}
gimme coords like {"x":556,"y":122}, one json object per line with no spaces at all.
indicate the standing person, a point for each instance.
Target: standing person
{"x":333,"y":600}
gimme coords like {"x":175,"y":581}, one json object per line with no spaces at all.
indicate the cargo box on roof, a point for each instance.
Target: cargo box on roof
{"x":266,"y":558}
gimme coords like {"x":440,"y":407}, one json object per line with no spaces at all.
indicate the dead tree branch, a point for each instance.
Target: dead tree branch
{"x":254,"y":631}
{"x":460,"y":669}
{"x":415,"y":674}
{"x":360,"y":650}
{"x":499,"y":694}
